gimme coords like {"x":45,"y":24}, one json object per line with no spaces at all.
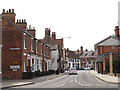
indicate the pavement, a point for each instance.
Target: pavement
{"x":106,"y":78}
{"x":8,"y":83}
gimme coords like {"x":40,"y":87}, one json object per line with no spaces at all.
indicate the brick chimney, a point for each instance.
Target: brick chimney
{"x":54,"y":35}
{"x":9,"y":14}
{"x":117,"y":35}
{"x":22,"y":23}
{"x":32,"y":31}
{"x":81,"y":48}
{"x":47,"y":32}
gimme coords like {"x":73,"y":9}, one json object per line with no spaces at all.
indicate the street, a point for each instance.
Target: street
{"x":84,"y":79}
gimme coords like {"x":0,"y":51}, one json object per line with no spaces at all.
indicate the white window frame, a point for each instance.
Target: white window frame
{"x":36,"y":46}
{"x":32,"y":44}
{"x":24,"y":62}
{"x":24,"y":41}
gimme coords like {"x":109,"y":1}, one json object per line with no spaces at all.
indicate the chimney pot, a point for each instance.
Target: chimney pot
{"x":24,"y":20}
{"x":12,"y":10}
{"x":9,"y":10}
{"x":3,"y":11}
{"x":29,"y":27}
{"x":19,"y":20}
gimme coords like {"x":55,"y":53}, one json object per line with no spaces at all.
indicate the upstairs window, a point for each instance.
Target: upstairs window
{"x":36,"y":46}
{"x":24,"y":41}
{"x":32,"y":44}
{"x":113,"y":47}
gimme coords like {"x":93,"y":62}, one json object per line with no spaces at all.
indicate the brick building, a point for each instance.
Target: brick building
{"x":21,"y":51}
{"x":72,"y":58}
{"x":56,"y":48}
{"x":87,"y":58}
{"x":105,"y":48}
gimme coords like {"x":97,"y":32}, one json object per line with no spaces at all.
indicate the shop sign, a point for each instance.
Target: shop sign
{"x":14,"y":48}
{"x":14,"y":67}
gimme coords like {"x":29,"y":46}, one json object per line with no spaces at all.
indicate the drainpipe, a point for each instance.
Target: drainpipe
{"x":0,"y":39}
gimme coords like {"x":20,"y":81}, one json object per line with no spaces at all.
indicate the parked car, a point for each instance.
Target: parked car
{"x":86,"y":68}
{"x":81,"y":68}
{"x":72,"y":71}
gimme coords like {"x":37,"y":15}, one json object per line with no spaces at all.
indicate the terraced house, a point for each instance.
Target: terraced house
{"x":21,"y":51}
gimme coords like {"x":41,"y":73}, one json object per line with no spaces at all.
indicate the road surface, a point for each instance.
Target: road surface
{"x":84,"y":79}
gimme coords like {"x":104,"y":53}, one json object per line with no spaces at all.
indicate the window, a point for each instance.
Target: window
{"x":32,"y":44}
{"x":36,"y":47}
{"x":37,"y":64}
{"x":113,"y":47}
{"x":41,"y":50}
{"x":32,"y":64}
{"x":24,"y":62}
{"x":83,"y":60}
{"x":24,"y":41}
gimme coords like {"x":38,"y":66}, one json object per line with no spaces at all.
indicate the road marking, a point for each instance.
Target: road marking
{"x":61,"y":84}
{"x":71,"y":81}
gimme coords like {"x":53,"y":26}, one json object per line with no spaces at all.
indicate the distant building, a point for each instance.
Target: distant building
{"x":88,"y":59}
{"x":56,"y":48}
{"x":105,"y":48}
{"x":73,"y":59}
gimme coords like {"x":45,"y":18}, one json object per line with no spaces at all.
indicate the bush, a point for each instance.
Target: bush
{"x":27,"y":75}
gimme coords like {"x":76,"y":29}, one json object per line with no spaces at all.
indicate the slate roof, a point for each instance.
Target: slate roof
{"x":51,"y":42}
{"x":109,"y":41}
{"x":72,"y":54}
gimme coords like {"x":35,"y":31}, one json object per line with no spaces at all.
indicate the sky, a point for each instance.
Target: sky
{"x":86,"y":21}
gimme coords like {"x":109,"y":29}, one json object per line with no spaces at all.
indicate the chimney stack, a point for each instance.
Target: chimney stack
{"x":47,"y":32}
{"x":22,"y":23}
{"x":81,"y":48}
{"x":32,"y":31}
{"x":54,"y":35}
{"x":9,"y":14}
{"x":117,"y":35}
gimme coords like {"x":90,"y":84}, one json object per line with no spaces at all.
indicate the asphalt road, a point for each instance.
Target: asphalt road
{"x":84,"y":79}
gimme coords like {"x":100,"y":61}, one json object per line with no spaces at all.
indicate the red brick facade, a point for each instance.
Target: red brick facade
{"x":20,"y":47}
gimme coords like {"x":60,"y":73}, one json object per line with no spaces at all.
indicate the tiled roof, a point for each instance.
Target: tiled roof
{"x":111,"y":40}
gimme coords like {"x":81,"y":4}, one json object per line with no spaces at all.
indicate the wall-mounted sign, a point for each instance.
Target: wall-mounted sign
{"x":15,"y":62}
{"x":14,"y":48}
{"x":14,"y":67}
